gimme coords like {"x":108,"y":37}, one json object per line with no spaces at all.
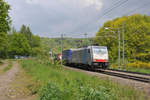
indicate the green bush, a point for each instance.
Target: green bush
{"x":52,"y":91}
{"x":145,"y":57}
{"x":139,"y":65}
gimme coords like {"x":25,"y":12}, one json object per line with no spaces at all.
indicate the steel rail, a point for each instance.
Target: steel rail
{"x":129,"y":72}
{"x":121,"y":75}
{"x":132,"y":77}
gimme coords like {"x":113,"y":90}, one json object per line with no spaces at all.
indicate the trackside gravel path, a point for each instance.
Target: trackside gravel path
{"x":6,"y":81}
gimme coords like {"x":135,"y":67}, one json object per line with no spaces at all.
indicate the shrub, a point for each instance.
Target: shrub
{"x":138,"y":65}
{"x":52,"y":91}
{"x":145,"y":57}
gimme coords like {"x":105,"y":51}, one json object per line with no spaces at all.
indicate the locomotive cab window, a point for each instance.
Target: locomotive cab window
{"x":100,"y":50}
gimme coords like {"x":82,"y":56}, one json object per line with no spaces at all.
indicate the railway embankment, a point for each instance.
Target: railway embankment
{"x":64,"y":83}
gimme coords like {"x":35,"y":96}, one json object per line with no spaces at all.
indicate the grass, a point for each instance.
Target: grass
{"x":135,"y":67}
{"x":132,"y":69}
{"x":56,"y":83}
{"x":8,"y":67}
{"x":140,"y":70}
{"x":21,"y":85}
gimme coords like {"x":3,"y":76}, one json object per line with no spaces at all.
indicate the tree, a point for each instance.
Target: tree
{"x":4,"y":17}
{"x":35,"y":41}
{"x":19,"y":45}
{"x":27,"y":32}
{"x":23,"y":29}
{"x":4,"y":27}
{"x":3,"y":45}
{"x":137,"y":33}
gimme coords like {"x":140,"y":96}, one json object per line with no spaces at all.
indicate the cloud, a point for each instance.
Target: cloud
{"x":82,"y":3}
{"x":52,"y":17}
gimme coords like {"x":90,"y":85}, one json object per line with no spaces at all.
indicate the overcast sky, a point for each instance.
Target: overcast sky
{"x":50,"y":18}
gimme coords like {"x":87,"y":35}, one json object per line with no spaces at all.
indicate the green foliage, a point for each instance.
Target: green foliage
{"x":3,"y":45}
{"x":137,"y":36}
{"x":145,"y":57}
{"x":52,"y":92}
{"x":4,"y":16}
{"x":19,"y":45}
{"x":139,"y":65}
{"x":37,"y":51}
{"x":4,"y":27}
{"x":15,"y":43}
{"x":54,"y":44}
{"x":23,"y":29}
{"x":34,"y":41}
{"x":136,"y":66}
{"x":62,"y":84}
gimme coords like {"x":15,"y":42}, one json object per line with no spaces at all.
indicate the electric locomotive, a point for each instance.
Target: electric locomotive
{"x":91,"y":57}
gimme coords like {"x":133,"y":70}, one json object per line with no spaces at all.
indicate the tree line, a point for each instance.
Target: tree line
{"x":137,"y":37}
{"x":12,"y":42}
{"x":54,"y":44}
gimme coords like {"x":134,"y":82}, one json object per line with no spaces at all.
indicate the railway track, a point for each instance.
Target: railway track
{"x":126,"y":75}
{"x":141,"y":77}
{"x":129,"y":72}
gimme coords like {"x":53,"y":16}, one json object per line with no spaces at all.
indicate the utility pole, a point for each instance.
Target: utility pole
{"x":61,"y":48}
{"x":119,"y":49}
{"x":119,"y":42}
{"x":123,"y":47}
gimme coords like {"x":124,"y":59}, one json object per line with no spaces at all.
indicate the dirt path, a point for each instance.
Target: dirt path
{"x":9,"y":88}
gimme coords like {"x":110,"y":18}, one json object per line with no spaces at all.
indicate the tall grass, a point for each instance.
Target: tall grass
{"x":57,"y":83}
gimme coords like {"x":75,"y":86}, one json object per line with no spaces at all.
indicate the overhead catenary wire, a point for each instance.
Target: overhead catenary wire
{"x":114,"y":6}
{"x":116,"y":3}
{"x":132,"y":11}
{"x":110,"y":10}
{"x":144,"y":5}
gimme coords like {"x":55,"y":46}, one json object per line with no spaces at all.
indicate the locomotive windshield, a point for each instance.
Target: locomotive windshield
{"x":100,"y":50}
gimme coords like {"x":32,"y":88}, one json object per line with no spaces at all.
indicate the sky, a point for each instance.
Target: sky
{"x":51,"y":18}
